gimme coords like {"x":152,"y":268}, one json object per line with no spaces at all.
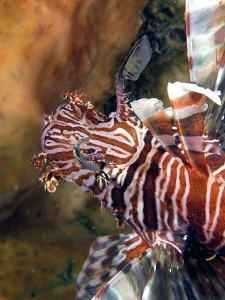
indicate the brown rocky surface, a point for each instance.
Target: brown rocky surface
{"x":43,"y":247}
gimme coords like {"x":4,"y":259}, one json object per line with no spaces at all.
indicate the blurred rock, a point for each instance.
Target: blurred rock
{"x":44,"y":244}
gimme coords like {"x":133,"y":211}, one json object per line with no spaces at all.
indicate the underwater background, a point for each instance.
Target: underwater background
{"x":48,"y":47}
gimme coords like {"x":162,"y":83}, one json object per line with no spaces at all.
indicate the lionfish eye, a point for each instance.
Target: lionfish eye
{"x":84,"y":158}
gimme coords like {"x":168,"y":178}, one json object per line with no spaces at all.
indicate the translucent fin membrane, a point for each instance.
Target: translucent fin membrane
{"x":182,"y":141}
{"x":131,"y":69}
{"x":160,"y":123}
{"x":206,"y":54}
{"x":188,"y":102}
{"x":205,"y":24}
{"x":214,"y":124}
{"x":137,"y":59}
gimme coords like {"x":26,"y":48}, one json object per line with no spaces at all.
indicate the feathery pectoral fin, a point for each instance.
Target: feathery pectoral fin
{"x":167,"y":272}
{"x":173,"y":268}
{"x":156,"y":276}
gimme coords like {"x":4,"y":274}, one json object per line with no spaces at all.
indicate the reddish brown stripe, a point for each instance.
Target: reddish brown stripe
{"x":188,"y":99}
{"x":215,"y":161}
{"x":150,"y":214}
{"x":190,"y":63}
{"x":197,"y":125}
{"x":196,"y":202}
{"x":159,"y":123}
{"x":188,"y":24}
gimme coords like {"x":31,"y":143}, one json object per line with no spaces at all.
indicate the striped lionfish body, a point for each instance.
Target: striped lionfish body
{"x":162,"y":171}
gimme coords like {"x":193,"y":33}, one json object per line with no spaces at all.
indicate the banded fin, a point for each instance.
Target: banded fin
{"x":205,"y":26}
{"x":131,"y":69}
{"x":107,"y":256}
{"x":189,"y":105}
{"x":155,"y":276}
{"x":160,"y":123}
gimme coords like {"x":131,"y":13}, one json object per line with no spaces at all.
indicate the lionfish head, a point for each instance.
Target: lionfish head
{"x":86,"y":147}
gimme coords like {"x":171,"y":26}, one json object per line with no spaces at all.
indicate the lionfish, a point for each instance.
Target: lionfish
{"x":162,"y":171}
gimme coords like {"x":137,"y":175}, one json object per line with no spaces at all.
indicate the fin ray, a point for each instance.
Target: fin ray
{"x":189,"y":107}
{"x":214,"y":124}
{"x":131,"y":69}
{"x":160,"y":123}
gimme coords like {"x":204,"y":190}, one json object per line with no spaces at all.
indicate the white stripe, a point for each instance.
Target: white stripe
{"x":174,"y":198}
{"x":185,"y":196}
{"x":165,"y":187}
{"x":140,"y":206}
{"x":192,"y":142}
{"x":182,"y":113}
{"x":215,"y":219}
{"x":167,"y":176}
{"x":158,"y":199}
{"x":207,"y":207}
{"x":134,"y":245}
{"x":166,"y":139}
{"x":179,"y":89}
{"x":137,"y":185}
{"x":222,"y":168}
